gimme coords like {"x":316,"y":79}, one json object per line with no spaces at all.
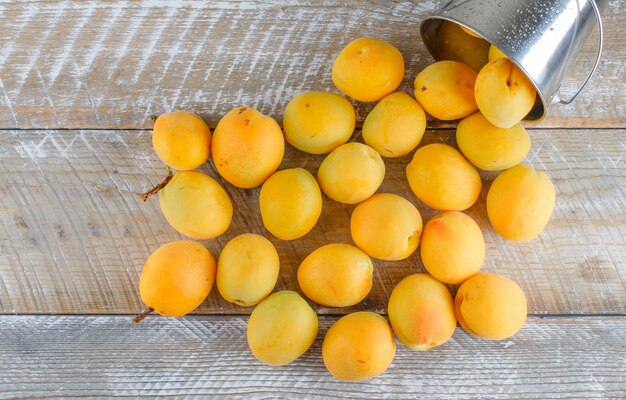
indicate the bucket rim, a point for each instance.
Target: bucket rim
{"x":544,"y":103}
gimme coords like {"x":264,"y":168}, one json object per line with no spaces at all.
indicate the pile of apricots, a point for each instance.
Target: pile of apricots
{"x":247,"y":149}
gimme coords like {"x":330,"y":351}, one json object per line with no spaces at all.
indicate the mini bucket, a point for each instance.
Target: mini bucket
{"x":542,"y":37}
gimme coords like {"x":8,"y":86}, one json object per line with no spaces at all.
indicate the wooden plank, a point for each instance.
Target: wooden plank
{"x":76,"y":64}
{"x":74,"y":234}
{"x":107,"y":356}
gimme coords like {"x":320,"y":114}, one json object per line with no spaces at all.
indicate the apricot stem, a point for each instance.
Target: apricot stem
{"x":154,"y":117}
{"x":158,"y":187}
{"x":143,"y":315}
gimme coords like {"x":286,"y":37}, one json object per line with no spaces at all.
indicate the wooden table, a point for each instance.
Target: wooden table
{"x":79,"y":81}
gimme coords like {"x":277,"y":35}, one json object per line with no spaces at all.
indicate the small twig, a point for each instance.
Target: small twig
{"x":158,"y":187}
{"x":143,"y":315}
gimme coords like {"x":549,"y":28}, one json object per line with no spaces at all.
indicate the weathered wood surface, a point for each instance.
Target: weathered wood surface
{"x":107,"y":356}
{"x":74,"y":234}
{"x":91,"y":64}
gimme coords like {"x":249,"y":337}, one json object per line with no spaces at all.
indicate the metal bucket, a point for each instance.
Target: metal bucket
{"x":542,"y":37}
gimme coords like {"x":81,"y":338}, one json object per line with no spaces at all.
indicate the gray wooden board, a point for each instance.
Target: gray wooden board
{"x":74,"y":234}
{"x":91,"y":64}
{"x":108,"y":356}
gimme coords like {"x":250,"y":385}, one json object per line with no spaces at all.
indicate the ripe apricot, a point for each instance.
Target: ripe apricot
{"x":453,"y":43}
{"x":281,"y":328}
{"x":489,"y":147}
{"x":452,"y":247}
{"x":470,"y":32}
{"x":395,"y":126}
{"x":177,"y":277}
{"x":247,"y":147}
{"x":181,"y":139}
{"x":336,"y":275}
{"x":386,"y":226}
{"x":318,"y":122}
{"x":503,"y":93}
{"x":196,"y":205}
{"x":421,"y":312}
{"x":351,"y":173}
{"x":490,"y":306}
{"x":290,"y":203}
{"x":520,"y":202}
{"x":495,"y":52}
{"x":247,"y":269}
{"x":442,"y":178}
{"x":358,"y":346}
{"x":446,"y":90}
{"x":368,"y":69}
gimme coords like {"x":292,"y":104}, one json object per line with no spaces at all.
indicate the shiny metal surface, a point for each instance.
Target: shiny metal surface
{"x":543,"y":37}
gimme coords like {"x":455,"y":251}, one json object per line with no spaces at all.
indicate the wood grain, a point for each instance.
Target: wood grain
{"x":76,"y":64}
{"x":74,"y":234}
{"x":107,"y":356}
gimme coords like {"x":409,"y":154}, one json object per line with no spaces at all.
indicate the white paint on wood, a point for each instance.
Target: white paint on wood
{"x":112,"y":64}
{"x":74,"y":234}
{"x":107,"y":356}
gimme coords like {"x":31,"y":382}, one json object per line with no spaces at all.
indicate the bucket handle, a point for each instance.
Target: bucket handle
{"x":598,"y":55}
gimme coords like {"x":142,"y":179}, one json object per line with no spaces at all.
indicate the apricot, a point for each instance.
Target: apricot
{"x":452,"y":247}
{"x":181,"y":139}
{"x":421,"y":312}
{"x":281,"y":328}
{"x":495,"y":52}
{"x":336,"y":275}
{"x":470,"y":32}
{"x":442,"y":178}
{"x":351,"y":173}
{"x":395,"y":126}
{"x":196,"y":205}
{"x":368,"y":69}
{"x":503,"y":93}
{"x":247,"y":269}
{"x":318,"y":122}
{"x":520,"y":202}
{"x":453,"y":43}
{"x":177,"y":277}
{"x":358,"y":346}
{"x":446,"y":90}
{"x":247,"y":147}
{"x":290,"y":203}
{"x":386,"y":226}
{"x":490,"y":306}
{"x":489,"y":147}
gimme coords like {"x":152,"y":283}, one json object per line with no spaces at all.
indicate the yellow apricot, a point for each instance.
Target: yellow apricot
{"x":336,"y":275}
{"x":490,"y":306}
{"x":196,"y":205}
{"x":281,"y":328}
{"x":442,"y":178}
{"x":421,"y":312}
{"x":181,"y":139}
{"x":177,"y":277}
{"x":503,"y":93}
{"x":247,"y":269}
{"x":470,"y":32}
{"x":495,"y":52}
{"x":386,"y":226}
{"x":351,"y":173}
{"x":318,"y":122}
{"x":446,"y":90}
{"x":489,"y":147}
{"x":368,"y":69}
{"x":395,"y":126}
{"x":520,"y":202}
{"x":290,"y":203}
{"x":452,"y":247}
{"x":247,"y":147}
{"x":358,"y":346}
{"x":452,"y":43}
